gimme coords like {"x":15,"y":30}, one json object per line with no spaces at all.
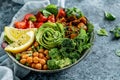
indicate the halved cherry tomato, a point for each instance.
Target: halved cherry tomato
{"x":61,"y":13}
{"x":40,"y":17}
{"x":20,"y":25}
{"x":38,"y":24}
{"x":51,"y":18}
{"x":30,"y":24}
{"x":27,"y":16}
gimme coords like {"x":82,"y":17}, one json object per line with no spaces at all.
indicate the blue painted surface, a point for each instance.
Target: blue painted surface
{"x":101,"y":63}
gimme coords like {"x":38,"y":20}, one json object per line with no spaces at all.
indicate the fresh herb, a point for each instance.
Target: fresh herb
{"x":32,"y":18}
{"x":74,"y":12}
{"x":102,"y":32}
{"x":46,"y":13}
{"x":116,"y":32}
{"x":52,"y":9}
{"x":117,"y":53}
{"x":109,"y":16}
{"x":17,"y":56}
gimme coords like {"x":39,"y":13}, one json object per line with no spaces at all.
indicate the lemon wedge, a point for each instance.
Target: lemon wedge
{"x":24,"y":42}
{"x":14,"y":34}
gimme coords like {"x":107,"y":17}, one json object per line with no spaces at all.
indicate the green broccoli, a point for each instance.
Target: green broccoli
{"x":56,"y":64}
{"x":54,"y":53}
{"x":68,"y":44}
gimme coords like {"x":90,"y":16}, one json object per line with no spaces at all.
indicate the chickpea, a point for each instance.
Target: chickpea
{"x":45,"y":58}
{"x":38,"y":66}
{"x":45,"y":67}
{"x":29,"y":60}
{"x":23,"y":61}
{"x":46,"y":52}
{"x":33,"y":65}
{"x":41,"y":55}
{"x":41,"y":50}
{"x":35,"y":59}
{"x":24,"y":56}
{"x":36,"y":44}
{"x":42,"y":61}
{"x":35,"y":54}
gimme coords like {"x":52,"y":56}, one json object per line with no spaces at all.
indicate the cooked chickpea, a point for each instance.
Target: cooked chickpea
{"x":38,"y":66}
{"x":45,"y":67}
{"x":35,"y":54}
{"x":29,"y":49}
{"x":42,"y":61}
{"x":24,"y":56}
{"x":41,"y":55}
{"x":29,"y":60}
{"x":45,"y":58}
{"x":36,"y":44}
{"x":35,"y":59}
{"x":41,"y":50}
{"x":46,"y":52}
{"x":23,"y":61}
{"x":33,"y":65}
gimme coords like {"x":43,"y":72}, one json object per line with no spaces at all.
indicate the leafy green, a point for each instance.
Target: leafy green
{"x":74,"y":11}
{"x":117,"y":53}
{"x":17,"y":56}
{"x":52,"y":9}
{"x":102,"y":32}
{"x":109,"y":16}
{"x":55,"y":64}
{"x":90,"y":27}
{"x":46,"y":13}
{"x":116,"y":31}
{"x":82,"y":41}
{"x":32,"y":18}
{"x":7,"y":39}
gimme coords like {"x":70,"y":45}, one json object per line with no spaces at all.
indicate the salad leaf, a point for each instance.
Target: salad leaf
{"x":17,"y":56}
{"x":52,"y":9}
{"x":117,"y":53}
{"x":32,"y":18}
{"x":102,"y":32}
{"x":46,"y":13}
{"x":116,"y":31}
{"x":74,"y":11}
{"x":109,"y":16}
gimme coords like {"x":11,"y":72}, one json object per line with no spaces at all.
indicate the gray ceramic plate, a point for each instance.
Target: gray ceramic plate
{"x":30,"y":8}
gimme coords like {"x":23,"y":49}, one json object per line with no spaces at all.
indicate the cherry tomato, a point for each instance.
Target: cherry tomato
{"x":20,"y":25}
{"x":30,"y":24}
{"x":40,"y":17}
{"x":61,"y":13}
{"x":27,"y":16}
{"x":51,"y":18}
{"x":38,"y":24}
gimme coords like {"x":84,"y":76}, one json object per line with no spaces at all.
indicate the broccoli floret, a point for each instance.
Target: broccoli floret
{"x":68,"y":43}
{"x":54,"y":53}
{"x":75,"y":55}
{"x":56,"y":64}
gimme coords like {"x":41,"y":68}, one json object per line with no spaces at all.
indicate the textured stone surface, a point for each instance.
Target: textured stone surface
{"x":101,"y":63}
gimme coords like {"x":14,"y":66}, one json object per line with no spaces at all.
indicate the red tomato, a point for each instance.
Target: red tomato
{"x":38,"y":24}
{"x":40,"y":17}
{"x":61,"y":13}
{"x":30,"y":24}
{"x":51,"y":18}
{"x":20,"y":25}
{"x":27,"y":16}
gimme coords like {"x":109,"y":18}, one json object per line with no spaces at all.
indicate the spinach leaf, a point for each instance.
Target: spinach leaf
{"x":117,"y":53}
{"x":109,"y":16}
{"x":74,"y":11}
{"x":102,"y":32}
{"x":46,"y":13}
{"x":116,"y":31}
